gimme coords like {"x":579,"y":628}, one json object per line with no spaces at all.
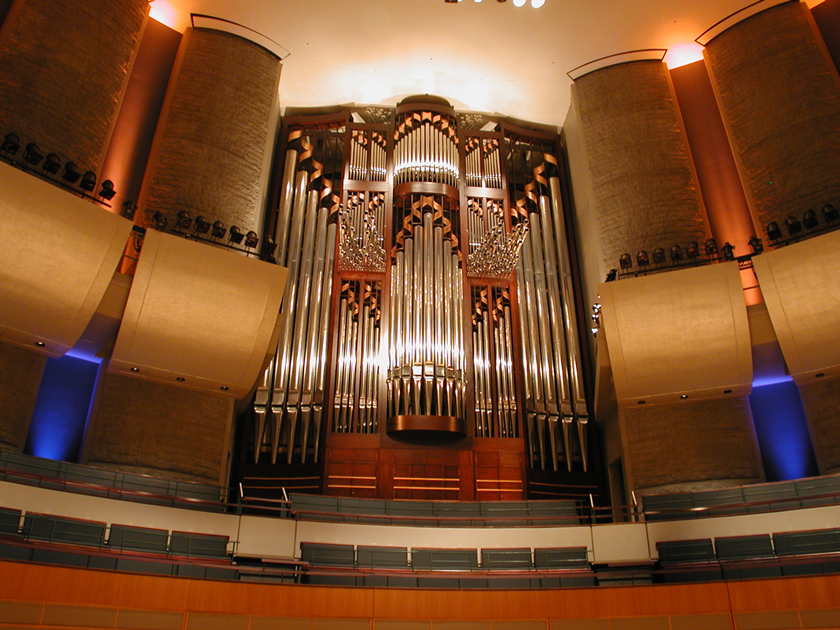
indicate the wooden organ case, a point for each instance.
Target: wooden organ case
{"x":430,"y":344}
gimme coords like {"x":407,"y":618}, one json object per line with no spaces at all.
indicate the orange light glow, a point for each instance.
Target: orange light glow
{"x":170,"y":15}
{"x":683,"y":55}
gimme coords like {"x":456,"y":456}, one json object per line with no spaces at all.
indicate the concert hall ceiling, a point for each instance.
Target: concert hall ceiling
{"x":483,"y":56}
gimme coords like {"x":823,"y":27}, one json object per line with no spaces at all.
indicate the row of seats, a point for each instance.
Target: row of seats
{"x":753,"y":499}
{"x":122,"y":538}
{"x":350,"y":556}
{"x":435,"y":513}
{"x":55,"y":475}
{"x":763,"y":555}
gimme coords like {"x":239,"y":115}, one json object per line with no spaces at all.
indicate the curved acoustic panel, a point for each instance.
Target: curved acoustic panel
{"x":198,"y":316}
{"x":800,"y":288}
{"x":681,"y":333}
{"x":57,"y":256}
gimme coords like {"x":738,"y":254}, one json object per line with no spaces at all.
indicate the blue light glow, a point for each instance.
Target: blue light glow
{"x":782,"y":430}
{"x":62,"y":408}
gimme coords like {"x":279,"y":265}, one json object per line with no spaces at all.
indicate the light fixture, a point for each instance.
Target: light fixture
{"x":106,"y":191}
{"x":180,"y":379}
{"x":51,"y":164}
{"x":676,"y":253}
{"x":711,"y":247}
{"x":218,"y":230}
{"x":202,"y":225}
{"x":11,"y":143}
{"x":809,"y":219}
{"x":642,"y":258}
{"x":128,"y":209}
{"x":830,"y":213}
{"x":71,"y":173}
{"x":684,"y":396}
{"x":160,"y":221}
{"x":224,"y":388}
{"x":518,"y":3}
{"x":537,"y":3}
{"x":793,"y":225}
{"x":774,"y":232}
{"x":267,"y":250}
{"x":251,"y":239}
{"x":625,"y":261}
{"x":40,"y":344}
{"x":235,"y":235}
{"x":184,"y":220}
{"x":728,"y":251}
{"x":32,"y":154}
{"x":692,"y":250}
{"x":135,"y":369}
{"x":756,"y":244}
{"x":658,"y":256}
{"x":88,"y":182}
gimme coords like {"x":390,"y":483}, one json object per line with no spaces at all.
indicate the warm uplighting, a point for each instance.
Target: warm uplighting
{"x":168,"y":14}
{"x":683,"y":55}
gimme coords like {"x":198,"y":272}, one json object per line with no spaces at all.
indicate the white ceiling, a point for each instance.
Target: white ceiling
{"x":488,"y":56}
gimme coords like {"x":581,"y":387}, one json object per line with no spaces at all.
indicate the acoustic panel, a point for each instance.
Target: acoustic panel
{"x":803,"y":298}
{"x":57,"y":256}
{"x":198,"y":316}
{"x":678,"y":333}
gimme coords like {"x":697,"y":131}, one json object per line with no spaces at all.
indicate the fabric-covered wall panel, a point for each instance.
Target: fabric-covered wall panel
{"x":644,"y":187}
{"x":780,"y":98}
{"x":63,"y":68}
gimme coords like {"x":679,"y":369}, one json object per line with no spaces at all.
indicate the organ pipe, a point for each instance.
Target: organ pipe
{"x":383,"y":296}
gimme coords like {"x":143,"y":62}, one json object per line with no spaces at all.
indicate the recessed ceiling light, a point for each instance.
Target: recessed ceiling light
{"x":537,"y":3}
{"x":40,"y":344}
{"x":518,"y":3}
{"x":135,"y":369}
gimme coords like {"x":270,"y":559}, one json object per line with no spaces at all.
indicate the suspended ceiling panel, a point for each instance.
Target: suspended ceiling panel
{"x":198,"y":316}
{"x":57,"y":256}
{"x":800,"y":288}
{"x":679,"y":333}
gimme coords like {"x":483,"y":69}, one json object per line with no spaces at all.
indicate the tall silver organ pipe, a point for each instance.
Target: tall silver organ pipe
{"x":289,"y":404}
{"x":426,"y":377}
{"x":555,"y":403}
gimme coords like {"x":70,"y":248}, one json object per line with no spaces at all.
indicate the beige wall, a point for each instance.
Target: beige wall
{"x":644,"y":189}
{"x":821,"y":400}
{"x":690,"y":445}
{"x":216,"y":128}
{"x":20,"y":378}
{"x":150,"y":428}
{"x":63,"y":69}
{"x":780,"y":99}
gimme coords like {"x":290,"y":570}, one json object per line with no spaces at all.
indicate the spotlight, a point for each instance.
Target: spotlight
{"x":625,"y":262}
{"x":728,"y":251}
{"x":794,"y":226}
{"x":107,"y":191}
{"x":88,"y":182}
{"x":830,"y":213}
{"x":642,"y":258}
{"x":184,"y":220}
{"x":267,"y":250}
{"x":692,"y":250}
{"x":756,"y":244}
{"x":128,"y":209}
{"x":71,"y":173}
{"x":11,"y":144}
{"x":676,"y":253}
{"x":160,"y":221}
{"x":32,"y":154}
{"x":251,"y":239}
{"x":202,"y":225}
{"x":235,"y":235}
{"x":809,"y":219}
{"x":658,"y":256}
{"x":711,"y":247}
{"x":219,"y":230}
{"x":51,"y":164}
{"x":774,"y":232}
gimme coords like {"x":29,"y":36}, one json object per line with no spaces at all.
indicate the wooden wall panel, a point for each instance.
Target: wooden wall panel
{"x":20,"y":379}
{"x":276,"y":606}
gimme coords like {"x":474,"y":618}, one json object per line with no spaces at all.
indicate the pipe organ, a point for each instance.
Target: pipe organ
{"x":430,"y":300}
